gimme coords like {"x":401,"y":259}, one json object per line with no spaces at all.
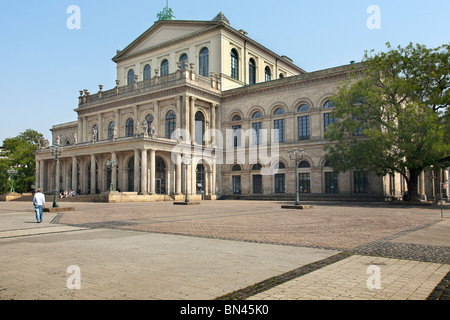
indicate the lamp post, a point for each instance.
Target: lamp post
{"x":187,"y":161}
{"x":296,"y":155}
{"x":12,"y":172}
{"x":111,"y":164}
{"x":56,"y":152}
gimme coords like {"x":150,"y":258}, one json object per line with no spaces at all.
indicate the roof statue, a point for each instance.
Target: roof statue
{"x":166,"y":13}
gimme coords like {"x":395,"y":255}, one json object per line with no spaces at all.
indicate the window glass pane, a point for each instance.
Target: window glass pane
{"x":328,"y":105}
{"x":204,"y":62}
{"x":279,"y":111}
{"x":268,"y":75}
{"x":257,"y":126}
{"x":165,"y":67}
{"x":331,"y":182}
{"x":303,"y":128}
{"x":236,"y":136}
{"x":236,"y":184}
{"x":279,"y":125}
{"x":147,"y":72}
{"x":304,"y":183}
{"x":234,"y":65}
{"x":280,"y":183}
{"x":183,"y":60}
{"x":303,"y":107}
{"x":251,"y":72}
{"x":257,"y":183}
{"x":130,"y":77}
{"x":170,"y":124}
{"x":360,"y":182}
{"x":129,"y":128}
{"x":327,"y":120}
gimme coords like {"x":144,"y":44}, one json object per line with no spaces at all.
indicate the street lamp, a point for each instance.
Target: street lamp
{"x":111,"y":164}
{"x":12,"y":172}
{"x":56,"y":152}
{"x":186,"y":159}
{"x":296,"y":155}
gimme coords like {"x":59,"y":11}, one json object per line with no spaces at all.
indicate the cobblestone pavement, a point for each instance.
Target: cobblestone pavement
{"x":226,"y":250}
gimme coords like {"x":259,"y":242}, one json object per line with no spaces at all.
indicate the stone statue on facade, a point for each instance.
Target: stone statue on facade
{"x":138,"y":128}
{"x":58,"y":140}
{"x":145,"y":128}
{"x":94,"y":134}
{"x":114,"y":132}
{"x":152,"y":130}
{"x":75,"y":138}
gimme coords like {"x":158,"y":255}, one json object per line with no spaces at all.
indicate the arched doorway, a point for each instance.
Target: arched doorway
{"x":160,"y":176}
{"x":200,"y":178}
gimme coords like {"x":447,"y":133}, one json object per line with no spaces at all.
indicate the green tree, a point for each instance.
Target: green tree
{"x":394,"y":117}
{"x":18,"y":153}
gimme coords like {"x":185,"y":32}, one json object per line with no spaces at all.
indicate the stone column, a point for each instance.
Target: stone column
{"x":178,"y":175}
{"x":93,"y":174}
{"x":74,"y":175}
{"x":37,"y":174}
{"x":213,"y":181}
{"x":100,"y":126}
{"x":144,"y":172}
{"x":186,"y":124}
{"x":152,"y":171}
{"x":193,"y":178}
{"x":114,"y":172}
{"x":157,"y":119}
{"x":192,"y":118}
{"x":136,"y":172}
{"x":58,"y":174}
{"x":84,"y":133}
{"x":42,"y":175}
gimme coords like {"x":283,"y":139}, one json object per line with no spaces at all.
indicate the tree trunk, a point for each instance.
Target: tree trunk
{"x":412,"y":183}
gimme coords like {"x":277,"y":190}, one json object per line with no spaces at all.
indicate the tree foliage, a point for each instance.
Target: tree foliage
{"x":395,"y":117}
{"x":19,"y":153}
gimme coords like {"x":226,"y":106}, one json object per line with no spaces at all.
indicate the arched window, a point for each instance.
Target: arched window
{"x":183,"y":60}
{"x":256,"y":167}
{"x":149,"y":118}
{"x":236,"y":167}
{"x":147,"y":72}
{"x":234,"y":64}
{"x":111,"y":126}
{"x":130,"y":77}
{"x":279,"y":165}
{"x":199,"y":128}
{"x":170,"y":123}
{"x":251,"y":71}
{"x":203,"y":63}
{"x":164,"y":67}
{"x":303,"y":108}
{"x":236,"y":117}
{"x":268,"y":73}
{"x":328,"y":105}
{"x":304,"y":164}
{"x":281,"y":76}
{"x":129,"y":127}
{"x":257,"y":115}
{"x":279,"y":111}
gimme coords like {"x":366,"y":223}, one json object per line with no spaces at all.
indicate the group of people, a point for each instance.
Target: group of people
{"x":66,"y":194}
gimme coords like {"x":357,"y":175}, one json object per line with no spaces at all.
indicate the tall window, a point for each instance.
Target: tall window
{"x":234,"y":64}
{"x":204,"y":62}
{"x":267,"y":74}
{"x":251,"y":71}
{"x":236,"y":184}
{"x":304,"y":178}
{"x":360,"y":182}
{"x":257,"y":134}
{"x":236,"y":135}
{"x":160,"y":176}
{"x":279,"y":125}
{"x":95,"y":132}
{"x":280,"y":183}
{"x":147,"y":72}
{"x":200,"y":176}
{"x":327,"y":120}
{"x":129,"y":127}
{"x":170,"y":124}
{"x":257,"y":179}
{"x":199,"y":128}
{"x":165,"y":67}
{"x":303,"y":128}
{"x":183,"y":60}
{"x":331,"y":182}
{"x":130,"y":77}
{"x":131,"y":174}
{"x":111,"y":126}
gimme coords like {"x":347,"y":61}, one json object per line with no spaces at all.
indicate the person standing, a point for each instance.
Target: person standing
{"x":39,"y":204}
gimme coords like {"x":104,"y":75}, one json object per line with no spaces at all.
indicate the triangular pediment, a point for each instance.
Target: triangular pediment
{"x":163,"y":32}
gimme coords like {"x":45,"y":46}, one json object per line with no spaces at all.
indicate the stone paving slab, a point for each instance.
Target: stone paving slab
{"x":161,"y":251}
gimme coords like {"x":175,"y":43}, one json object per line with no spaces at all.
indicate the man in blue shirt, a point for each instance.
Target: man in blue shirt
{"x":39,"y":204}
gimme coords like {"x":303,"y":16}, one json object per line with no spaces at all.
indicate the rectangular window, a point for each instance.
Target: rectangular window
{"x":304,"y":183}
{"x":257,"y":126}
{"x":236,"y":184}
{"x":360,"y":182}
{"x":303,"y":128}
{"x":257,"y":183}
{"x":236,"y":135}
{"x":279,"y":124}
{"x":327,"y":120}
{"x":280,"y":183}
{"x":331,"y":182}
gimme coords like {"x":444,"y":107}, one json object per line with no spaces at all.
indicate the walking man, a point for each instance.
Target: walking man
{"x":39,"y":204}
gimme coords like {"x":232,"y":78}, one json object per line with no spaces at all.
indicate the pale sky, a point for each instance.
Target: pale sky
{"x":44,"y":63}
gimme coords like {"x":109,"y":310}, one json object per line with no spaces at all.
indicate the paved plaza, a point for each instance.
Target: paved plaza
{"x":222,"y":250}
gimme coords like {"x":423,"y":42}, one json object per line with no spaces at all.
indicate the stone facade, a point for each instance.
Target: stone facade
{"x":197,"y":90}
